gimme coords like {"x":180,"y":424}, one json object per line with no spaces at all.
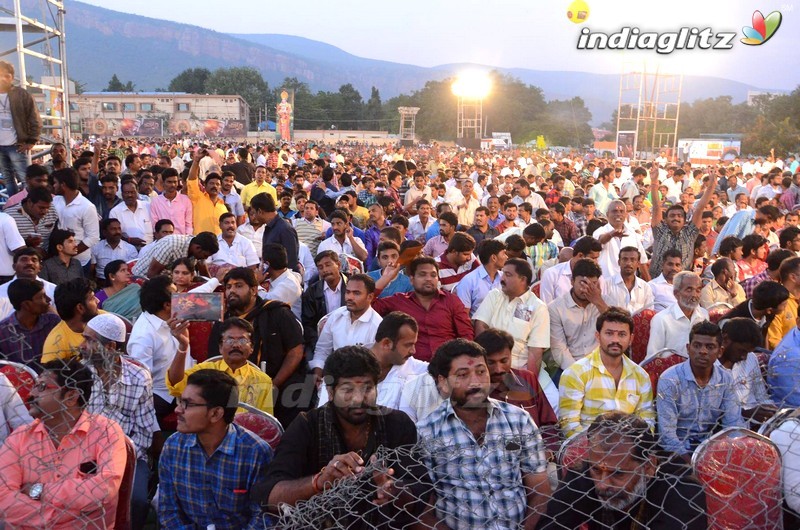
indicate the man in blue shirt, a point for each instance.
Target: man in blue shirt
{"x":474,"y":287}
{"x":208,"y":467}
{"x":695,"y":396}
{"x":784,"y":367}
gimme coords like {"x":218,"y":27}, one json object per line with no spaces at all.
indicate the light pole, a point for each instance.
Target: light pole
{"x":471,"y":88}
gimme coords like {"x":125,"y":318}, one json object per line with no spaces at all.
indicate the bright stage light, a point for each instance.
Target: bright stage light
{"x":472,"y":85}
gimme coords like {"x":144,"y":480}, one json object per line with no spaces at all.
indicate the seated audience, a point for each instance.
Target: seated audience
{"x":27,"y":265}
{"x":768,"y":301}
{"x":670,"y":327}
{"x":76,"y":305}
{"x":473,"y":288}
{"x":62,"y":265}
{"x":111,"y":248}
{"x":624,"y":289}
{"x":322,"y":296}
{"x":23,"y":334}
{"x":457,"y":261}
{"x":13,"y":413}
{"x":121,"y":296}
{"x":723,"y":288}
{"x":663,"y":291}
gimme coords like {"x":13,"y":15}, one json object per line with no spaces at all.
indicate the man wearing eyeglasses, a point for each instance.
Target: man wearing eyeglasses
{"x":65,"y":469}
{"x":208,"y":467}
{"x":236,"y":346}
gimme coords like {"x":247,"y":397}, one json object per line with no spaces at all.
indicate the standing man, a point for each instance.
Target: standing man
{"x":76,"y":213}
{"x":448,"y":224}
{"x":481,"y":429}
{"x":207,"y":205}
{"x":675,"y":232}
{"x":133,"y":216}
{"x":172,"y":205}
{"x":20,"y":127}
{"x":259,"y":185}
{"x":276,"y":230}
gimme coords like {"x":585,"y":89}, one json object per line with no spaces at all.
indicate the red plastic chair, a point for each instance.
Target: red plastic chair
{"x":536,"y":288}
{"x":123,"y":516}
{"x":741,"y":474}
{"x":22,"y":377}
{"x":658,"y":364}
{"x":641,"y":334}
{"x":572,"y":452}
{"x":354,"y":265}
{"x":263,"y":425}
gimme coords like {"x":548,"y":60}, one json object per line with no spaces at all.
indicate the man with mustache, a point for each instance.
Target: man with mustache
{"x":670,"y":327}
{"x":606,"y":379}
{"x":622,"y":483}
{"x":499,"y":449}
{"x":65,"y":469}
{"x":207,"y":205}
{"x":236,"y":346}
{"x":697,"y":396}
{"x":27,"y":265}
{"x":338,"y":440}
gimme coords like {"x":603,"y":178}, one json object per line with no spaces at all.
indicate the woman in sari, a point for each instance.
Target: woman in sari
{"x":183,"y":277}
{"x":121,"y":296}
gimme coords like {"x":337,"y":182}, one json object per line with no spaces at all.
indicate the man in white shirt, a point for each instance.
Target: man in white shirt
{"x":663,"y":294}
{"x":152,"y":342}
{"x":234,"y":249}
{"x":463,"y":202}
{"x":11,"y":242}
{"x":111,"y":247}
{"x":13,"y":413}
{"x":284,"y":285}
{"x":76,"y":213}
{"x":523,"y":193}
{"x":343,"y":241}
{"x":624,"y":289}
{"x":419,"y":224}
{"x":670,"y":328}
{"x":557,"y":280}
{"x":134,"y":216}
{"x":354,"y":324}
{"x":27,"y":265}
{"x":615,"y":236}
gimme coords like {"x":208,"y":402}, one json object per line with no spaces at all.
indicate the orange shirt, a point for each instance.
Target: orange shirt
{"x":70,"y":499}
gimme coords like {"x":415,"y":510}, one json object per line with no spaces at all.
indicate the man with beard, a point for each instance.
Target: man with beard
{"x":58,"y":157}
{"x":440,"y":315}
{"x":108,"y":198}
{"x":338,"y":440}
{"x":343,"y":241}
{"x":697,"y":396}
{"x":670,"y":328}
{"x":236,"y":347}
{"x":663,"y":293}
{"x":231,"y":196}
{"x":65,"y":469}
{"x":122,"y":391}
{"x":473,"y":444}
{"x":437,"y":245}
{"x":207,"y":205}
{"x":606,"y":379}
{"x":622,"y":483}
{"x":615,"y":236}
{"x":518,"y":386}
{"x":76,"y":305}
{"x":277,"y":342}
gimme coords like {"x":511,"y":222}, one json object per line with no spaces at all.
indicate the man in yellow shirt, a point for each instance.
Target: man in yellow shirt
{"x":259,"y":185}
{"x":235,"y":345}
{"x":786,"y":321}
{"x":76,"y":305}
{"x":606,"y":380}
{"x":207,"y":205}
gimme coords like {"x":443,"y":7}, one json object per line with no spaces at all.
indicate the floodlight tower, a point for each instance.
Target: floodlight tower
{"x":40,"y":36}
{"x":471,"y":88}
{"x":408,"y":120}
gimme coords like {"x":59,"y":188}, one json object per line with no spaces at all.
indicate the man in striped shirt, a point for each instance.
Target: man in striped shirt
{"x":310,"y":227}
{"x":606,"y":380}
{"x":457,"y":261}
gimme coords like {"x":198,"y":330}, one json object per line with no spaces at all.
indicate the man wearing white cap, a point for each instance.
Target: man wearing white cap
{"x":122,"y":390}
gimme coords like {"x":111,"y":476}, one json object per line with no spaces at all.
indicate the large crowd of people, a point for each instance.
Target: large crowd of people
{"x":479,"y":306}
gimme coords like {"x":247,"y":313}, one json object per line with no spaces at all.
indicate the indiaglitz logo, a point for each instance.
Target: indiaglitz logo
{"x":763,"y":28}
{"x":686,"y":38}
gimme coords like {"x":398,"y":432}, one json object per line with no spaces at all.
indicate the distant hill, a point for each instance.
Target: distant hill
{"x":150,"y":52}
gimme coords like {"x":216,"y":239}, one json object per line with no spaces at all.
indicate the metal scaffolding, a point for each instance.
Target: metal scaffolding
{"x":408,"y":120}
{"x":469,"y":125}
{"x":649,"y":108}
{"x":39,"y":29}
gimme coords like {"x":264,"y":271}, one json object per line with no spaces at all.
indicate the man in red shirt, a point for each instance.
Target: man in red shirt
{"x":441,"y":315}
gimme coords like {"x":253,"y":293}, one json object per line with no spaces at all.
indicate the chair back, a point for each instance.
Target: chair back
{"x":22,"y":377}
{"x":572,"y":451}
{"x":123,"y":517}
{"x":641,"y":334}
{"x":658,"y":364}
{"x":199,"y":335}
{"x":536,"y":288}
{"x":321,"y":324}
{"x":741,"y":474}
{"x":262,"y":424}
{"x":351,"y":265}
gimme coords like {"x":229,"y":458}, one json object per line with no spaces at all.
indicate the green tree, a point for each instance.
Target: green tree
{"x":243,"y":81}
{"x":374,"y":110}
{"x":191,"y":80}
{"x":115,"y":85}
{"x":349,"y":107}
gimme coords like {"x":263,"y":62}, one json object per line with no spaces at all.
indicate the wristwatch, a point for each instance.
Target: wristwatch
{"x":35,"y":492}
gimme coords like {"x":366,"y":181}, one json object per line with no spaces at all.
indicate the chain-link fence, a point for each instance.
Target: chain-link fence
{"x":616,"y":474}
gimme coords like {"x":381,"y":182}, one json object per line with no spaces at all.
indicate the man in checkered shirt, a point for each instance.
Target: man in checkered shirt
{"x":485,"y":457}
{"x":122,"y":390}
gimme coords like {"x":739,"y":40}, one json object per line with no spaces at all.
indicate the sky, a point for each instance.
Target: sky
{"x":533,"y":34}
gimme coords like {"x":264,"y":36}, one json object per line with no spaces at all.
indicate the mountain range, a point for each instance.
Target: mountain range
{"x":150,"y":52}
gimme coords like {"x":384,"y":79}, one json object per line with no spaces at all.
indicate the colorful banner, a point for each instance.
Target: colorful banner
{"x":209,"y":128}
{"x":156,"y":127}
{"x":284,"y":111}
{"x":626,"y":144}
{"x":148,"y":127}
